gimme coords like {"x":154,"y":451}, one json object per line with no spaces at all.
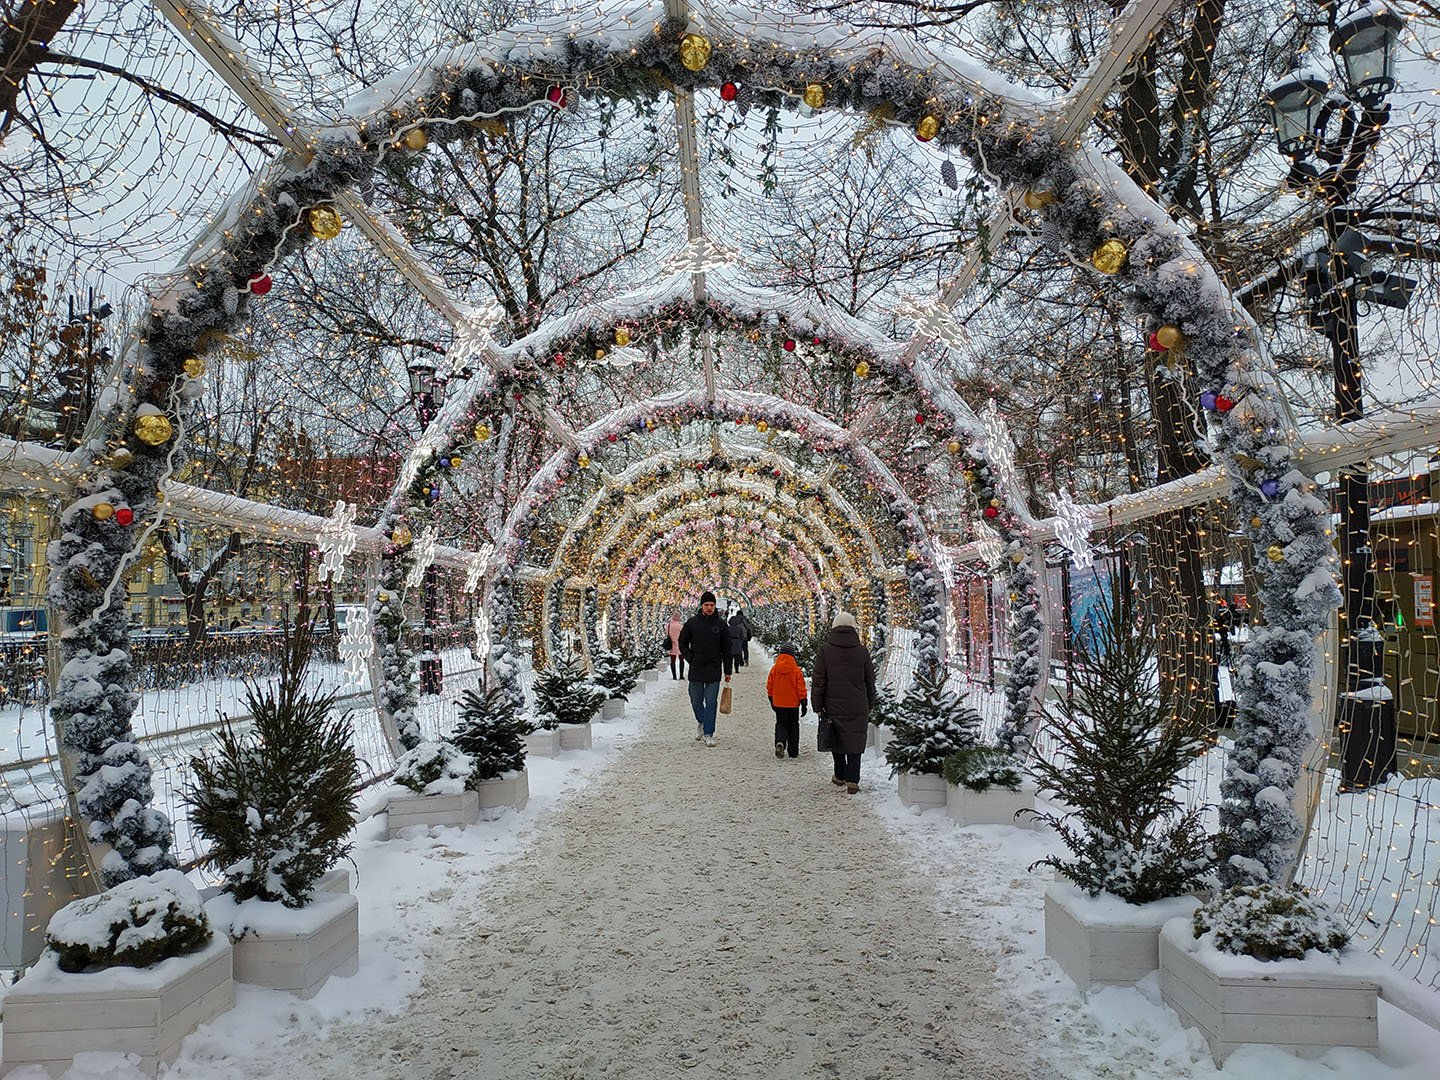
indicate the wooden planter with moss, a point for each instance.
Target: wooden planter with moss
{"x":995,"y":805}
{"x":508,"y":792}
{"x":406,"y":809}
{"x":291,"y":949}
{"x":1103,"y":941}
{"x":925,"y":790}
{"x":52,"y":1015}
{"x":1304,"y":1006}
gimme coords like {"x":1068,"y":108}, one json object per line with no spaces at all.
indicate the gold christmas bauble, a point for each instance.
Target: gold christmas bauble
{"x":153,"y":429}
{"x":1017,"y":557}
{"x":969,"y":475}
{"x":401,"y":536}
{"x":1169,"y":336}
{"x":994,"y":502}
{"x":694,"y":51}
{"x":928,"y":128}
{"x":159,"y":496}
{"x":1109,"y":257}
{"x":383,"y":597}
{"x":324,"y":222}
{"x":416,"y":139}
{"x":862,"y":369}
{"x":1038,"y":198}
{"x":482,"y":432}
{"x":122,"y":458}
{"x":954,"y":447}
{"x":1275,"y":553}
{"x":622,"y":336}
{"x":102,"y":511}
{"x":194,"y":367}
{"x":456,"y":462}
{"x":762,"y":427}
{"x":1014,"y":597}
{"x":583,"y":461}
{"x":1256,"y":522}
{"x":814,"y":95}
{"x":910,"y":556}
{"x":599,"y":354}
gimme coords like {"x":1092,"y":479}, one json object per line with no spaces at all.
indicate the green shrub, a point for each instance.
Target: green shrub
{"x":135,"y":924}
{"x":492,"y":733}
{"x":979,"y":768}
{"x":1270,"y":923}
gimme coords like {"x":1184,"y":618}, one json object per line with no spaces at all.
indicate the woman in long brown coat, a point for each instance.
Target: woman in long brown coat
{"x":843,"y":691}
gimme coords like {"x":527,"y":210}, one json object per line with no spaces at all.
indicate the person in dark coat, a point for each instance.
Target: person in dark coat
{"x":740,"y":631}
{"x":705,"y":645}
{"x":842,"y":690}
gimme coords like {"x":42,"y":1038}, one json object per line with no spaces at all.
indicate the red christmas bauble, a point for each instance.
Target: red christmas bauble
{"x":991,"y":512}
{"x":1154,"y":343}
{"x":815,"y":341}
{"x":919,"y":418}
{"x":612,"y":436}
{"x":124,"y":516}
{"x":559,"y":359}
{"x":1223,"y":403}
{"x":259,"y":284}
{"x":556,"y":96}
{"x":789,"y":344}
{"x":728,"y":91}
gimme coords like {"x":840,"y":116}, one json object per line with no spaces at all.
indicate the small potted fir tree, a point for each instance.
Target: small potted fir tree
{"x":132,"y":971}
{"x":614,"y":675}
{"x":931,"y":723}
{"x":1135,"y":849}
{"x":276,"y":804}
{"x":432,"y":787}
{"x":491,"y":733}
{"x":566,"y":700}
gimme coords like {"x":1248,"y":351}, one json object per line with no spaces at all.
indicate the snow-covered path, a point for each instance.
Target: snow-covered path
{"x":712,"y":910}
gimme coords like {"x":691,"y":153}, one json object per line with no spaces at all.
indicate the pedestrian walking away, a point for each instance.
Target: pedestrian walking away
{"x":737,"y":640}
{"x":672,"y":638}
{"x":843,"y":690}
{"x":705,"y":645}
{"x":740,"y":631}
{"x":786,"y":687}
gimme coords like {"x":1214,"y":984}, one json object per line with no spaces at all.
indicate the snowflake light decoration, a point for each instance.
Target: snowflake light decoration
{"x":933,"y":319}
{"x":999,"y":448}
{"x":424,"y":556}
{"x":476,"y":571}
{"x":356,"y":645}
{"x":482,"y":635}
{"x":1072,"y":528}
{"x":988,"y":544}
{"x":699,"y":255}
{"x":472,"y":335}
{"x":336,"y":541}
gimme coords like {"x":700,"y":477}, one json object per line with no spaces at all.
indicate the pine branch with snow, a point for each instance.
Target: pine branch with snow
{"x":931,"y":723}
{"x":492,"y":732}
{"x":564,"y":695}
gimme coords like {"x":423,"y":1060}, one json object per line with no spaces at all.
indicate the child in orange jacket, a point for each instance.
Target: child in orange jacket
{"x":789,"y":699}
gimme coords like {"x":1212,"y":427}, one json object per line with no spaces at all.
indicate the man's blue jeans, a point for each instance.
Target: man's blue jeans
{"x":704,"y":696}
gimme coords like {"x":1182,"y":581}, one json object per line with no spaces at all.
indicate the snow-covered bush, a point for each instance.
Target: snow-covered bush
{"x":979,"y":768}
{"x":137,"y":923}
{"x":276,"y":800}
{"x":931,"y":723}
{"x":1120,"y":754}
{"x":887,"y":707}
{"x":563,"y":695}
{"x":1270,"y":923}
{"x":614,"y":674}
{"x":492,"y":733}
{"x":434,"y":768}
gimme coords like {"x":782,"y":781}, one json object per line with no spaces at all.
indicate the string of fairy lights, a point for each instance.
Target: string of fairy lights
{"x":1053,"y":348}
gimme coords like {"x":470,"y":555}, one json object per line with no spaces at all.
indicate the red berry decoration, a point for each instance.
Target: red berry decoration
{"x":991,"y":512}
{"x":728,"y":91}
{"x":556,"y":96}
{"x":1223,"y":403}
{"x":259,"y":284}
{"x":789,"y":344}
{"x":124,"y":516}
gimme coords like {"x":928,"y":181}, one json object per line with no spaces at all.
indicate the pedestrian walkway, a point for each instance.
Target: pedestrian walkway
{"x":711,"y":911}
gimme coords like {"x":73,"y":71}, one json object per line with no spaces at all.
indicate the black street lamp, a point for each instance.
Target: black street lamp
{"x":427,"y":390}
{"x":1327,"y":136}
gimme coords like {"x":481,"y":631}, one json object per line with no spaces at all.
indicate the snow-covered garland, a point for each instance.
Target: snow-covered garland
{"x":590,"y":619}
{"x":504,"y":661}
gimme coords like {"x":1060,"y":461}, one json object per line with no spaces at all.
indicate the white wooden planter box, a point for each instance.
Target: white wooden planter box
{"x":508,"y":792}
{"x":1305,"y":1006}
{"x":1103,"y":941}
{"x":881,"y":739}
{"x":574,"y":736}
{"x":652,"y":675}
{"x":925,"y":791}
{"x":613,"y":709}
{"x":335,"y":880}
{"x":543,"y":743}
{"x":292,"y":949}
{"x":997,"y":806}
{"x":50,"y":1016}
{"x":408,"y":810}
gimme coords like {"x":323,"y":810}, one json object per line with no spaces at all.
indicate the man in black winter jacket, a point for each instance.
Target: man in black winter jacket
{"x":705,"y":645}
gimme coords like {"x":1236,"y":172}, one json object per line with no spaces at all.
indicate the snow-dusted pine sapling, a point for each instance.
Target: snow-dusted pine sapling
{"x":886,"y":709}
{"x":137,"y":923}
{"x":564,"y":695}
{"x":435,"y":767}
{"x":979,"y":768}
{"x":1270,"y":923}
{"x":931,"y":723}
{"x":613,"y":674}
{"x":1120,"y":754}
{"x":276,"y":800}
{"x":492,"y":732}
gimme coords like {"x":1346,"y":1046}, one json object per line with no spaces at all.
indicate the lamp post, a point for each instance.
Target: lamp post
{"x":427,"y":391}
{"x":1327,"y":134}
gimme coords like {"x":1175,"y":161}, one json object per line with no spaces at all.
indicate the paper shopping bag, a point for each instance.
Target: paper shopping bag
{"x":725,"y":701}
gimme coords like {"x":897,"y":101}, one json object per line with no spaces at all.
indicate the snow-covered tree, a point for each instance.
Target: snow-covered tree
{"x":1121,"y":750}
{"x":615,"y":674}
{"x":931,"y":723}
{"x":563,"y":695}
{"x":492,"y":732}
